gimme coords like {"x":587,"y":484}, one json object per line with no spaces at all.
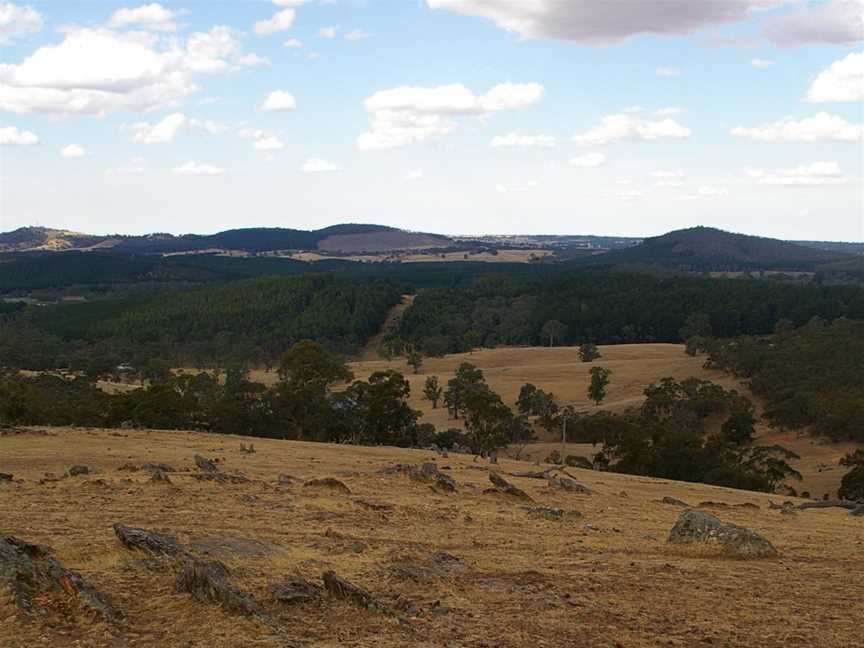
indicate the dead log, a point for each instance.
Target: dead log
{"x":28,"y":569}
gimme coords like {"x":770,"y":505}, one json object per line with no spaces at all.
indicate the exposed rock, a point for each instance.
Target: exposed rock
{"x":156,"y":544}
{"x":159,"y":477}
{"x":5,"y":477}
{"x":851,"y":506}
{"x":222,"y":478}
{"x":675,"y":502}
{"x":428,"y":472}
{"x":710,"y":504}
{"x":207,"y":581}
{"x":553,"y":457}
{"x":569,"y":484}
{"x":74,"y":471}
{"x":129,"y":467}
{"x":295,"y":590}
{"x":534,"y":474}
{"x":157,"y":467}
{"x":288,"y":480}
{"x":28,"y":569}
{"x":205,"y":464}
{"x":548,"y":512}
{"x":577,"y":461}
{"x":747,"y":505}
{"x":250,"y":449}
{"x":347,"y":590}
{"x":699,"y":526}
{"x":858,"y":512}
{"x":503,"y":486}
{"x":373,"y":505}
{"x":328,"y":483}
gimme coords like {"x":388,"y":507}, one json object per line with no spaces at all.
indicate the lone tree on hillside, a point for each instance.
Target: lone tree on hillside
{"x":588,"y":352}
{"x":415,"y":361}
{"x":599,"y":382}
{"x":432,"y":391}
{"x":554,"y":330}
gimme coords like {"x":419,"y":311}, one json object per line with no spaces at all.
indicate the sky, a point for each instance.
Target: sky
{"x":617,"y":117}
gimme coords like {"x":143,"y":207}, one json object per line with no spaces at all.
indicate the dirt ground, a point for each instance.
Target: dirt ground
{"x":602,"y":576}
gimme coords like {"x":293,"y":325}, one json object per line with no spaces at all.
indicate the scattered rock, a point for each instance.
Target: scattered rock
{"x":341,"y":588}
{"x":295,"y":590}
{"x":577,"y":461}
{"x":250,"y":449}
{"x":129,"y":467}
{"x":157,"y":467}
{"x":747,"y":505}
{"x":328,"y":483}
{"x":156,"y":544}
{"x":710,"y":504}
{"x":159,"y":477}
{"x":851,"y":506}
{"x":535,"y":474}
{"x":548,"y":512}
{"x":28,"y":569}
{"x":222,"y":478}
{"x":205,"y":464}
{"x":428,"y":472}
{"x":5,"y":477}
{"x":675,"y":502}
{"x":858,"y":512}
{"x":74,"y":471}
{"x":373,"y":505}
{"x":288,"y":480}
{"x":699,"y":526}
{"x":569,"y":484}
{"x":207,"y":581}
{"x":503,"y":486}
{"x":553,"y":457}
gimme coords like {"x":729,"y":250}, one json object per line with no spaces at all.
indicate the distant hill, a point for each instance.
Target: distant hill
{"x":348,"y":238}
{"x":709,"y":249}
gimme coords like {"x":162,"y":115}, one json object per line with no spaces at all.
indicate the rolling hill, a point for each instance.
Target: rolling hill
{"x":709,"y":249}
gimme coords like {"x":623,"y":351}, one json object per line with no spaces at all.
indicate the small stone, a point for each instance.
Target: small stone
{"x":78,"y":470}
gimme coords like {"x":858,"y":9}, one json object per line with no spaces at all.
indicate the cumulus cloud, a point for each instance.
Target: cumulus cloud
{"x":414,"y":174}
{"x":357,"y":34}
{"x":328,"y":32}
{"x":523,"y":141}
{"x":152,"y":16}
{"x":586,"y":21}
{"x":668,"y":111}
{"x":279,"y":21}
{"x":409,"y":114}
{"x":843,"y":80}
{"x":588,"y":160}
{"x":268,"y":143}
{"x":73,"y":151}
{"x":808,"y":175}
{"x":761,"y":63}
{"x":613,"y":128}
{"x":96,"y":71}
{"x":18,"y":22}
{"x":196,"y":169}
{"x":278,"y":101}
{"x":170,"y":126}
{"x":12,"y":136}
{"x":317,"y":165}
{"x":667,"y":72}
{"x":834,"y":21}
{"x":292,"y":42}
{"x":818,"y":128}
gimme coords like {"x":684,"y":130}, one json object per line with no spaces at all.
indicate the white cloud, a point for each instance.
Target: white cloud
{"x":152,"y":16}
{"x":820,"y":127}
{"x":632,"y":109}
{"x":357,"y":34}
{"x":631,"y":195}
{"x":73,"y":151}
{"x":278,"y":101}
{"x":761,"y":63}
{"x":808,"y":175}
{"x":96,"y":71}
{"x":162,"y":131}
{"x":409,"y":114}
{"x":196,"y":169}
{"x":834,"y":21}
{"x":667,"y":174}
{"x":414,"y":174}
{"x":292,"y":42}
{"x":613,"y":128}
{"x":290,"y":3}
{"x":670,"y":183}
{"x":12,"y":136}
{"x":667,"y":72}
{"x":703,"y":192}
{"x":668,"y":178}
{"x":518,"y":188}
{"x":669,"y":111}
{"x":17,"y":22}
{"x":328,"y":32}
{"x":523,"y":141}
{"x":593,"y":22}
{"x":588,"y":160}
{"x":269,"y":143}
{"x":843,"y":80}
{"x":170,"y":126}
{"x":279,"y":21}
{"x":317,"y":165}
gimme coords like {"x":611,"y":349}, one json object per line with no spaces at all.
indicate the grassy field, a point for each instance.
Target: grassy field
{"x":601,"y":577}
{"x":634,"y":367}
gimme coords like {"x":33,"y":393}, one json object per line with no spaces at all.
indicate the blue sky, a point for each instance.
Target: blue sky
{"x":630,"y":117}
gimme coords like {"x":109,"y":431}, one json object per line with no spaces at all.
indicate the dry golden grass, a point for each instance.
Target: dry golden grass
{"x":634,"y":367}
{"x":602,"y":580}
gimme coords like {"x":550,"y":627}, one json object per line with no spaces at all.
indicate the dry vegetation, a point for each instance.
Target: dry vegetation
{"x":634,"y":367}
{"x":605,"y":578}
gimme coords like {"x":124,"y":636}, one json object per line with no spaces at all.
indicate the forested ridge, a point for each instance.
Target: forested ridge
{"x":250,"y":321}
{"x":613,"y":307}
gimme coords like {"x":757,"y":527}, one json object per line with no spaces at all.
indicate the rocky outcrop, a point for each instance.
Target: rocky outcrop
{"x":700,"y":527}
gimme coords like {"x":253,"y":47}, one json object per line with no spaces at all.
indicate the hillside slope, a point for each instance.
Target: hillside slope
{"x":601,"y":576}
{"x":709,"y":249}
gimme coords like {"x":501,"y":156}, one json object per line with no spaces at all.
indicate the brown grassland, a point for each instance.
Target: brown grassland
{"x":605,"y":578}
